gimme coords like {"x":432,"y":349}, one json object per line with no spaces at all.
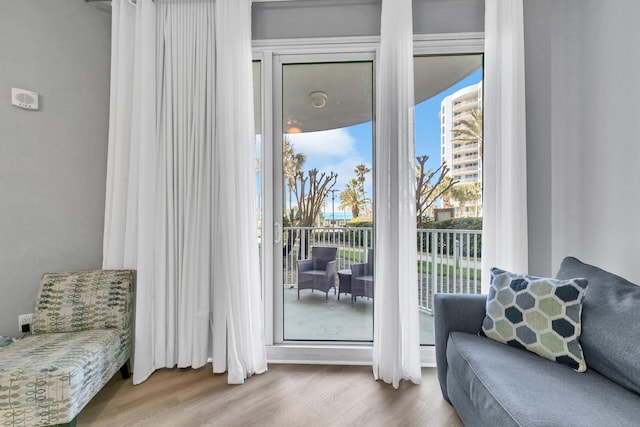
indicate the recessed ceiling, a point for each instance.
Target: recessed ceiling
{"x":349,"y":89}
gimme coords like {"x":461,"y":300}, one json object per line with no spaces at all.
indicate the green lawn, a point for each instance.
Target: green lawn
{"x":357,"y":255}
{"x":444,"y":270}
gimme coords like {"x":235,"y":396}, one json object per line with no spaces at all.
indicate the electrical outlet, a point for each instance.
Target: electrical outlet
{"x":24,"y":319}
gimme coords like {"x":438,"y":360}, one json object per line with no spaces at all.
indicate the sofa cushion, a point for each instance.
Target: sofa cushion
{"x":539,"y":314}
{"x":501,"y":385}
{"x":78,"y":301}
{"x":47,"y":379}
{"x":610,"y":323}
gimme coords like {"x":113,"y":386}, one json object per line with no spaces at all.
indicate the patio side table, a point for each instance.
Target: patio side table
{"x":344,"y":283}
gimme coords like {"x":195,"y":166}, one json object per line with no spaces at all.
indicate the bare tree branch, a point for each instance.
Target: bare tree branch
{"x":427,"y":192}
{"x":310,"y":203}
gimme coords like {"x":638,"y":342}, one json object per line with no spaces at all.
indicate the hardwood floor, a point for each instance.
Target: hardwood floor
{"x":286,"y":395}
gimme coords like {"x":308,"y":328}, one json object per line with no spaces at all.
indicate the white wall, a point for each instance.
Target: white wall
{"x":52,"y":161}
{"x":596,"y":154}
{"x":537,"y":45}
{"x":586,"y":176}
{"x":331,"y":18}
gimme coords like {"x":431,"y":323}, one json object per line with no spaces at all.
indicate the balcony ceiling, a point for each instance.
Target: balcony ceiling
{"x":349,"y":89}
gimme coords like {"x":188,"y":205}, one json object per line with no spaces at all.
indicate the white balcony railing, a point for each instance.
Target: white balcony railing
{"x":448,"y":260}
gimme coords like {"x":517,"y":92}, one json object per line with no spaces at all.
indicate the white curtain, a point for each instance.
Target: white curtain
{"x":396,"y":342}
{"x":163,"y":218}
{"x":120,"y":228}
{"x":238,"y":329}
{"x":504,"y":229}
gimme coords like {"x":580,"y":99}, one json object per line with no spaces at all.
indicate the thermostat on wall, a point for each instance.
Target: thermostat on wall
{"x":24,"y":98}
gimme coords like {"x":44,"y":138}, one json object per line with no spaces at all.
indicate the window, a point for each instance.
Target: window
{"x":257,"y":101}
{"x":448,"y":261}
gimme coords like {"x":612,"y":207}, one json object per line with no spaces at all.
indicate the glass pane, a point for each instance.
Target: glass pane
{"x":448,"y":147}
{"x":257,"y":101}
{"x":327,"y":194}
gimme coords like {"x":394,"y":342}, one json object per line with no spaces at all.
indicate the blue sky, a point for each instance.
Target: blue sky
{"x":340,"y":150}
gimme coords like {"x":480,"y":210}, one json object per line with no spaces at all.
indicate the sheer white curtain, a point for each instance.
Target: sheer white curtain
{"x":504,"y":240}
{"x":164,"y":216}
{"x":120,"y":228}
{"x":238,"y":329}
{"x":396,"y":342}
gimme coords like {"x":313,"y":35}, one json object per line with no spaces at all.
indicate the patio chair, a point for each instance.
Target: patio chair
{"x":319,"y":272}
{"x":362,"y":277}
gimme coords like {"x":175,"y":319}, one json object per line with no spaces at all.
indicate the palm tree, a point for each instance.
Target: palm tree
{"x":361,"y":170}
{"x":464,"y":193}
{"x":292,"y":164}
{"x":352,"y":197}
{"x":470,"y":130}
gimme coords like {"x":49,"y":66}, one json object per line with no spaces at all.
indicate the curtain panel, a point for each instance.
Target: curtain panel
{"x":177,"y":167}
{"x":396,"y":342}
{"x":504,"y":228}
{"x":238,"y":311}
{"x":120,"y":226}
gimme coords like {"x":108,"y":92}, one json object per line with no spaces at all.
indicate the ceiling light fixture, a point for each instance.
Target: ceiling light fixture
{"x":318,"y":99}
{"x":293,"y":126}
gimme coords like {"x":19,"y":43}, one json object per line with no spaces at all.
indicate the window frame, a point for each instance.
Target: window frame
{"x":270,"y":53}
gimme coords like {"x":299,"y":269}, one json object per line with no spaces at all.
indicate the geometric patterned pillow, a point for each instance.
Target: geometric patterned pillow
{"x":538,"y":314}
{"x":84,"y":300}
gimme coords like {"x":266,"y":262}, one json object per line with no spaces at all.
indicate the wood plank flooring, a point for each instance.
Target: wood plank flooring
{"x":286,"y":395}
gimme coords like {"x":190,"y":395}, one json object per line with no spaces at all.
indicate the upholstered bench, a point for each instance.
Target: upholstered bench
{"x":81,"y":336}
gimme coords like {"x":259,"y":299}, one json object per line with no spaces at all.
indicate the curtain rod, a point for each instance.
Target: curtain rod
{"x":92,"y":1}
{"x":253,"y":1}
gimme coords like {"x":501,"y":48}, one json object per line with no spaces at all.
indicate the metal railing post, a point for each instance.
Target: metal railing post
{"x":445,"y":268}
{"x":365,"y":244}
{"x":434,"y":267}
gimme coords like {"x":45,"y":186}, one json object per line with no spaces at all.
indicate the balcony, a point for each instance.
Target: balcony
{"x":465,"y":105}
{"x":466,"y":148}
{"x":465,"y":169}
{"x":447,"y":261}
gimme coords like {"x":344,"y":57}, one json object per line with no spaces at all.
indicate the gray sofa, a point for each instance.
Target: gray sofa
{"x":493,"y":384}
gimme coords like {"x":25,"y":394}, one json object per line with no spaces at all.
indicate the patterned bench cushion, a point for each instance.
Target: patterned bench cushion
{"x":80,"y":301}
{"x":47,"y":379}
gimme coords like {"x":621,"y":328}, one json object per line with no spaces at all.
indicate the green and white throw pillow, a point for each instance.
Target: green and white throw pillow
{"x":538,"y":314}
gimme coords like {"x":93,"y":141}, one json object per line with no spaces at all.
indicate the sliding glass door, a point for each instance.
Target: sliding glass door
{"x":323,"y":170}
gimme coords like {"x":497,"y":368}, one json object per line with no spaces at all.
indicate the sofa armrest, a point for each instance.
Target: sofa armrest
{"x":454,"y":313}
{"x":332,"y":269}
{"x":358,"y":269}
{"x":305,"y":265}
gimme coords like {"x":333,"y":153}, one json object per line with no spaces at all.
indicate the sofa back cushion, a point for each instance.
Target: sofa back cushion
{"x":321,"y":256}
{"x":86,"y":300}
{"x":610,"y":323}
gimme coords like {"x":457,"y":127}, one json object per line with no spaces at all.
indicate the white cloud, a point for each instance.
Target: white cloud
{"x":333,"y":150}
{"x":324,"y":144}
{"x":345,"y":171}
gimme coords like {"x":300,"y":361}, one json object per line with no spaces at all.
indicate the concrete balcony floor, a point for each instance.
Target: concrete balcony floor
{"x":314,"y":318}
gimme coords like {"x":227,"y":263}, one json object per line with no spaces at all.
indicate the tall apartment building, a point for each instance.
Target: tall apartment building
{"x":463,"y":157}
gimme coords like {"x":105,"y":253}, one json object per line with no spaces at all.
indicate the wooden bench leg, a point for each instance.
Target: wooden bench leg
{"x":124,"y":371}
{"x":71,"y":423}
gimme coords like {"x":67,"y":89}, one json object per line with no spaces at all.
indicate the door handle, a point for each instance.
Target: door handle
{"x":277,"y":230}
